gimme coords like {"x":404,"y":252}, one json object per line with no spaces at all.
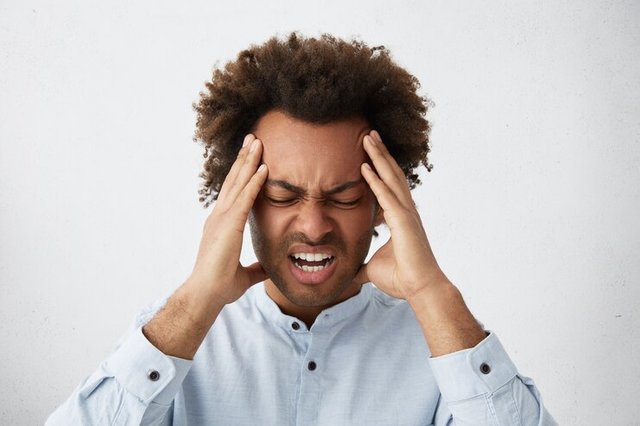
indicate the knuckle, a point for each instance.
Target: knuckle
{"x":243,"y":152}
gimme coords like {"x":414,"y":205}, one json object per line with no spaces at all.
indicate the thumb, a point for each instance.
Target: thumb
{"x":362,"y":276}
{"x":256,"y":273}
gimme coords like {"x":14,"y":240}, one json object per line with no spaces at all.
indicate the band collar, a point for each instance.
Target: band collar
{"x":326,"y":319}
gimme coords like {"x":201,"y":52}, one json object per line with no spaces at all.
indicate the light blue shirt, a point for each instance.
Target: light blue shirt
{"x":363,"y":362}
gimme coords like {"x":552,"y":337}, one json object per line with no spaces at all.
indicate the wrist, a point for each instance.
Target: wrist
{"x":446,"y":322}
{"x":436,"y":283}
{"x":200,"y":302}
{"x":436,"y":291}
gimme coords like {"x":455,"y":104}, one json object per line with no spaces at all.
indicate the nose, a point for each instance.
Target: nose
{"x":313,"y":221}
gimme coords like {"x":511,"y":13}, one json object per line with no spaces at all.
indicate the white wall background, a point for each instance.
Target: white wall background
{"x":532,"y":207}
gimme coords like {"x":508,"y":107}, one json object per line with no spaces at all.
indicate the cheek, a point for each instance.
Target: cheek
{"x":357,"y":221}
{"x":368,"y":209}
{"x":267,"y":217}
{"x":264,"y":234}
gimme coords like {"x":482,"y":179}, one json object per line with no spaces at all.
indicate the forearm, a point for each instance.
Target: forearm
{"x":181,"y":326}
{"x":446,"y":322}
{"x":481,"y":386}
{"x":135,"y":384}
{"x":107,"y":402}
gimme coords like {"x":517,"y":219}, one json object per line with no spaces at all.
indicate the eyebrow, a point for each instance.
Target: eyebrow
{"x":296,"y":189}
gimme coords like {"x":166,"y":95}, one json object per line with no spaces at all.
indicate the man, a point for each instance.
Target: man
{"x":314,"y":142}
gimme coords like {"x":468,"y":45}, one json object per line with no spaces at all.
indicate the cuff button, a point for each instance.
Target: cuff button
{"x":153,"y":375}
{"x":484,"y":368}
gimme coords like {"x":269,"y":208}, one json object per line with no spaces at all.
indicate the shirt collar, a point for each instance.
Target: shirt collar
{"x":325,"y":320}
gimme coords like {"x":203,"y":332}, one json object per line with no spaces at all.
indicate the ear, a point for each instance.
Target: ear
{"x":379,"y":218}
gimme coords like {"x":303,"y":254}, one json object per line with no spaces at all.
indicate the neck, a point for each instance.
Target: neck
{"x":304,"y":313}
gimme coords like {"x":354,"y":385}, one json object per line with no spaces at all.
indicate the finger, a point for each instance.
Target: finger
{"x":248,"y":196}
{"x":387,"y":154}
{"x":256,"y":273}
{"x":386,"y":198}
{"x":246,"y":170}
{"x":384,"y":167}
{"x":235,"y":167}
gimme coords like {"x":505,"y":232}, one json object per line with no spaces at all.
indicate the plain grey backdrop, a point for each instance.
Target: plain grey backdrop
{"x":532,"y":207}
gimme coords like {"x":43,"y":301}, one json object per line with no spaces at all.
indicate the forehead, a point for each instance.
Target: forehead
{"x":311,"y":155}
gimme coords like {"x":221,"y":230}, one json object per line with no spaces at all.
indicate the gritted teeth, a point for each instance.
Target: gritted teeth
{"x":311,"y":257}
{"x":323,"y":261}
{"x":306,"y":268}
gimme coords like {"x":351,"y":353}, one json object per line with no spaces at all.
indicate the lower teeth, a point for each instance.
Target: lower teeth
{"x":306,"y":268}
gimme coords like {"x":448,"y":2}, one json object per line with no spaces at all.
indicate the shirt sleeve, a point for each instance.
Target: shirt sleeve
{"x":136,"y":384}
{"x":481,"y":386}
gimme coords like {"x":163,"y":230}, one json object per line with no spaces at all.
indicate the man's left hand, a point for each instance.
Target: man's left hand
{"x":405,"y":264}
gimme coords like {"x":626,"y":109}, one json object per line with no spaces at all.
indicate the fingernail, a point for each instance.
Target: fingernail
{"x":367,"y":166}
{"x":376,"y":135}
{"x":254,"y":145}
{"x":370,"y":139}
{"x":262,"y":167}
{"x":246,"y":140}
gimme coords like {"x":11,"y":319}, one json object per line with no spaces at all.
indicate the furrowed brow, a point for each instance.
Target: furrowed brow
{"x":285,"y":185}
{"x":343,"y":187}
{"x":296,"y":189}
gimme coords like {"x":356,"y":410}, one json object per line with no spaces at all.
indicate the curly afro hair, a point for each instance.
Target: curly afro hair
{"x":315,"y":80}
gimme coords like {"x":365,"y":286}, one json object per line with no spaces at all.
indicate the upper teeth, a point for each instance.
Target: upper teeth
{"x":312,"y":257}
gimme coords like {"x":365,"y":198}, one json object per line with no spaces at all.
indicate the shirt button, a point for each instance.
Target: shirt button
{"x":484,"y":368}
{"x":311,"y":366}
{"x":295,"y":326}
{"x":153,"y":375}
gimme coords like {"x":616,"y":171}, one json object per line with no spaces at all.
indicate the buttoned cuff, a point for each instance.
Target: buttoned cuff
{"x":146,"y":372}
{"x":471,"y":372}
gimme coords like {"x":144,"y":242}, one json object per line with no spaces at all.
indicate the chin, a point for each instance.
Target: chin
{"x":316,"y":295}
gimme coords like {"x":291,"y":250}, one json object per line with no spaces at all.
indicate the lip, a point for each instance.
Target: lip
{"x":313,"y":278}
{"x":303,"y":248}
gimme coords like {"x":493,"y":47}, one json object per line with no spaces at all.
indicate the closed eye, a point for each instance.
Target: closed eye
{"x":281,"y":203}
{"x":290,"y":201}
{"x":346,"y":204}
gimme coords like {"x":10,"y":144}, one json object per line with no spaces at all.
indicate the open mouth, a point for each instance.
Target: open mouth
{"x":311,"y":262}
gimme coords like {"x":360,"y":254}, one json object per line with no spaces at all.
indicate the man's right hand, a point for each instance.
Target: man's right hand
{"x":218,"y":270}
{"x":217,"y":278}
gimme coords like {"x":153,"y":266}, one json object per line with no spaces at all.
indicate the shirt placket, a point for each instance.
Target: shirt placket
{"x":311,"y":373}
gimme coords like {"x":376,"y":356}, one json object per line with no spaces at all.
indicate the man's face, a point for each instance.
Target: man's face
{"x":312,"y":223}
